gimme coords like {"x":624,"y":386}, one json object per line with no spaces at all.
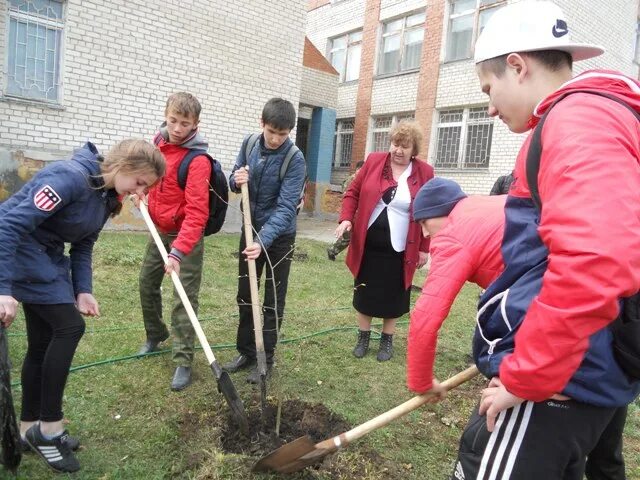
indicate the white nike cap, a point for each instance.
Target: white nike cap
{"x":529,"y":26}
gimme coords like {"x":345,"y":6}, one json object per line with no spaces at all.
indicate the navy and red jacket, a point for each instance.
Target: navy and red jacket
{"x":65,"y":202}
{"x":543,"y":324}
{"x":361,"y":198}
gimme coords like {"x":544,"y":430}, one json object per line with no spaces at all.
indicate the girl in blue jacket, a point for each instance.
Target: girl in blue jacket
{"x":65,"y":202}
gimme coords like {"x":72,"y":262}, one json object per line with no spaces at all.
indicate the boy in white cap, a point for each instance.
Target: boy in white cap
{"x":571,"y":253}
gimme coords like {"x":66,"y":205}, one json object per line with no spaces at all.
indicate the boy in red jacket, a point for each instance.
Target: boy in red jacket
{"x":543,"y":332}
{"x":180,"y":216}
{"x":465,"y":237}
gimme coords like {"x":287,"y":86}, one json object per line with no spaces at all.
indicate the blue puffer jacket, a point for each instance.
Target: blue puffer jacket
{"x":273,"y":203}
{"x":65,"y":202}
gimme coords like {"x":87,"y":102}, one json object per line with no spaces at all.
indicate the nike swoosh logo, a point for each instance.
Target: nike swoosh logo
{"x":559,"y":32}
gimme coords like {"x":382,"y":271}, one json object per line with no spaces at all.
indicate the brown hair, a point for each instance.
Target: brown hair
{"x":553,"y":60}
{"x":183,"y":103}
{"x":407,"y":132}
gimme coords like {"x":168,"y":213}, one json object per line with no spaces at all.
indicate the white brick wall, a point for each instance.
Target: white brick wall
{"x":318,"y":88}
{"x":394,"y":94}
{"x":123,"y":58}
{"x":347,"y":96}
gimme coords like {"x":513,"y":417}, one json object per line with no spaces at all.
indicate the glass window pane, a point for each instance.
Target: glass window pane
{"x":390,"y":59}
{"x":337,"y":60}
{"x":355,"y":37}
{"x":394,"y":26}
{"x":382,"y":122}
{"x":460,"y":37}
{"x":478,"y":145}
{"x":340,"y":42}
{"x":488,"y":2}
{"x":353,"y":63}
{"x":416,"y":19}
{"x":412,"y":49}
{"x":460,"y":6}
{"x":448,"y":147}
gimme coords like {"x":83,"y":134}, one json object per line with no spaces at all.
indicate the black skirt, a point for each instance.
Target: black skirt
{"x":379,"y":287}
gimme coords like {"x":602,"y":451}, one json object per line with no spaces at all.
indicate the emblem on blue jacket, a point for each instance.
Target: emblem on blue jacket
{"x":46,"y":199}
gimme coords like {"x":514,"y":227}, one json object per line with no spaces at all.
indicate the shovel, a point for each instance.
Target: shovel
{"x":255,"y":300}
{"x":302,"y":452}
{"x":225,"y":385}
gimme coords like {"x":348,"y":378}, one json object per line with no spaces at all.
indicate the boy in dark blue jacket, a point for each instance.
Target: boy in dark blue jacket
{"x":274,"y":198}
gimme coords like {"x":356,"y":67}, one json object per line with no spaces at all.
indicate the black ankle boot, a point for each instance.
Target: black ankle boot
{"x":386,"y":348}
{"x":362,"y":345}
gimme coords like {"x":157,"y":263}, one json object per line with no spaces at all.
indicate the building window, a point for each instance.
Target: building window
{"x":467,"y":19}
{"x":345,"y":53}
{"x":464,"y":138}
{"x":380,"y":132}
{"x":401,"y":44}
{"x":34,"y":49}
{"x":343,"y":143}
{"x":636,"y":51}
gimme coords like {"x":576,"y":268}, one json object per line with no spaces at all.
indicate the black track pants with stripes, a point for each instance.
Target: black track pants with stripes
{"x":547,"y":440}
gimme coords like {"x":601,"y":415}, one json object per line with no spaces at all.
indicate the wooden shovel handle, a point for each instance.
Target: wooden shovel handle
{"x":397,"y":412}
{"x":253,"y":277}
{"x":178,"y":284}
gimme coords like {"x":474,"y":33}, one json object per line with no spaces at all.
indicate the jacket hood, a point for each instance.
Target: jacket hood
{"x":89,"y":158}
{"x":606,"y":81}
{"x":195,"y":141}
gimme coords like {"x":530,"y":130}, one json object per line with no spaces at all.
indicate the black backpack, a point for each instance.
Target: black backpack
{"x":293,"y":149}
{"x":626,"y":328}
{"x":218,"y":188}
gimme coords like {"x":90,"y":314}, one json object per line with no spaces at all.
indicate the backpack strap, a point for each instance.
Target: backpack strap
{"x":293,"y":149}
{"x":183,"y":169}
{"x":535,"y":147}
{"x":251,"y":142}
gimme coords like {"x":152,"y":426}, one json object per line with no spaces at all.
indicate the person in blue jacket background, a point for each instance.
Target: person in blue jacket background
{"x":65,"y":202}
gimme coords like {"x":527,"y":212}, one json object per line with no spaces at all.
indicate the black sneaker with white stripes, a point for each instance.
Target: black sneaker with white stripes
{"x":56,"y":452}
{"x":72,"y":442}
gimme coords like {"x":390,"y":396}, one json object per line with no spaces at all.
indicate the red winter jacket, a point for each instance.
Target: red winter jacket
{"x":466,"y":249}
{"x":174,"y":210}
{"x":589,"y":184}
{"x":361,"y":198}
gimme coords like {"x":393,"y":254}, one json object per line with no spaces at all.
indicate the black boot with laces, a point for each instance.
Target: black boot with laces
{"x":362,"y":345}
{"x":386,"y":348}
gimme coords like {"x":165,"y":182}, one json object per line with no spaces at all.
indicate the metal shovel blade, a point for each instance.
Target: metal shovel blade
{"x":228,"y":390}
{"x":285,"y":455}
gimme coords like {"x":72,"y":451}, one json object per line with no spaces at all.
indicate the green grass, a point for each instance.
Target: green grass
{"x":133,"y":427}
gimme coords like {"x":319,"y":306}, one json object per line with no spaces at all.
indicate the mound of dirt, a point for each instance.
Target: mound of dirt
{"x":296,"y":420}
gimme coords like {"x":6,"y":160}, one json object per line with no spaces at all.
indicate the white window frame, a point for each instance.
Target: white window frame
{"x":57,"y":25}
{"x":403,"y":35}
{"x":350,"y":45}
{"x":395,"y":118}
{"x":476,"y":12}
{"x":465,"y":124}
{"x":340,"y":163}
